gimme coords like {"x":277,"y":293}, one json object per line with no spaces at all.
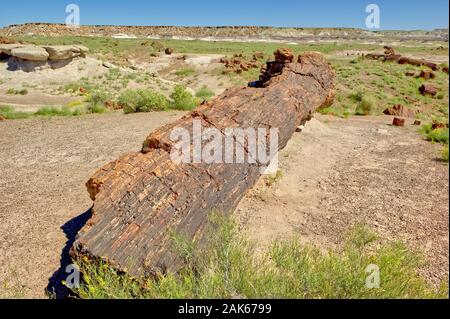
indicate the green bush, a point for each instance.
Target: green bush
{"x":182,"y":99}
{"x":98,"y":97}
{"x":95,"y":109}
{"x":185,"y":72}
{"x":54,"y":111}
{"x":204,"y":93}
{"x":227,"y":267}
{"x":444,"y":154}
{"x":10,"y":113}
{"x":439,"y":135}
{"x":366,"y":106}
{"x":142,"y":101}
{"x":17,"y":92}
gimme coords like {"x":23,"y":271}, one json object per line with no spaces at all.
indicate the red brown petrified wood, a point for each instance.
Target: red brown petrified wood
{"x":142,"y":198}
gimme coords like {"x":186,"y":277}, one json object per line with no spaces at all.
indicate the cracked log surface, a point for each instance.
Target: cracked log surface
{"x":142,"y":198}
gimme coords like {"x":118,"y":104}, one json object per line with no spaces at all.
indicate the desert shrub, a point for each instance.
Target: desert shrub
{"x":204,"y":93}
{"x":142,"y":101}
{"x":129,"y":100}
{"x":444,"y":154}
{"x":185,"y":72}
{"x":96,"y":109}
{"x":17,"y":92}
{"x":98,"y":97}
{"x":8,"y":112}
{"x":152,"y":101}
{"x":439,"y":135}
{"x":182,"y":99}
{"x":53,"y":111}
{"x":366,"y":106}
{"x":357,"y":96}
{"x":227,"y":267}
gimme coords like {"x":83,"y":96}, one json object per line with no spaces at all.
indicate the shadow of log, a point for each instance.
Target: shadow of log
{"x":55,"y":288}
{"x":15,"y":64}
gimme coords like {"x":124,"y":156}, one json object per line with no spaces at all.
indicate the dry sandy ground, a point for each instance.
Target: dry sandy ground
{"x":336,"y":173}
{"x":44,"y":165}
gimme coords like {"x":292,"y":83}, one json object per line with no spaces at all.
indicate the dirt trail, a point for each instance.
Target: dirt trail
{"x":337,"y":172}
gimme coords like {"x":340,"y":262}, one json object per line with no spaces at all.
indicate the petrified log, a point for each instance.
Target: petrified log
{"x":141,"y":199}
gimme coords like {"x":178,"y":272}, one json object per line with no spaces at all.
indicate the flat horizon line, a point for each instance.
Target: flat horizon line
{"x":225,"y":26}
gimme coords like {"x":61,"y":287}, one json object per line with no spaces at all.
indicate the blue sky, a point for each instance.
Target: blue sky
{"x":395,"y":14}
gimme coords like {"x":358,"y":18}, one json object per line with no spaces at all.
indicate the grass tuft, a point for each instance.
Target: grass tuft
{"x":182,"y":99}
{"x":227,"y":267}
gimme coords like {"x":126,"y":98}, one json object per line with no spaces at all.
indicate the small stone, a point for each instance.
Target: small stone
{"x":429,"y":89}
{"x":398,"y":122}
{"x":417,"y":122}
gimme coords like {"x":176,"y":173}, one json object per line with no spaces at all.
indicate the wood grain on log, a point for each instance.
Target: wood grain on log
{"x":141,"y":198}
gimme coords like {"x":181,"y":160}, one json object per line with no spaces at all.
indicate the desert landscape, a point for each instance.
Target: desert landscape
{"x":370,"y":147}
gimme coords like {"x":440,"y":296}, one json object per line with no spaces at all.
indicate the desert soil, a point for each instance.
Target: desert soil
{"x":335,"y":173}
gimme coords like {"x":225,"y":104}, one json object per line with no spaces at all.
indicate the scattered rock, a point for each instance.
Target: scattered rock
{"x":431,"y":65}
{"x":60,"y":52}
{"x":2,"y":118}
{"x":238,"y":64}
{"x":258,"y":55}
{"x":398,"y":122}
{"x":169,"y":51}
{"x":6,"y":48}
{"x":389,"y":50}
{"x":436,"y":126}
{"x":30,"y":53}
{"x":445,"y":69}
{"x":427,"y":75}
{"x":400,"y":110}
{"x":429,"y":89}
{"x":109,"y":65}
{"x":406,"y":60}
{"x":410,"y":73}
{"x":284,"y":55}
{"x":417,"y":122}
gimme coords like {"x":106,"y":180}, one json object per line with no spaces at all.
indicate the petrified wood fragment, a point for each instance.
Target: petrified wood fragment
{"x":143,"y":197}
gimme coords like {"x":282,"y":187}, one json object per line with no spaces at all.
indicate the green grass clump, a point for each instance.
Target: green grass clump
{"x":439,"y":135}
{"x":54,"y":111}
{"x":185,"y":72}
{"x":444,"y":154}
{"x":9,"y":113}
{"x":142,"y":100}
{"x":12,"y":91}
{"x":226,"y":266}
{"x":366,"y":106}
{"x":182,"y":99}
{"x":204,"y":93}
{"x":98,"y":97}
{"x":274,"y":178}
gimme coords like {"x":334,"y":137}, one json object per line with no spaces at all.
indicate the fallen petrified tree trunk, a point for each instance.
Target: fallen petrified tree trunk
{"x":141,"y":198}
